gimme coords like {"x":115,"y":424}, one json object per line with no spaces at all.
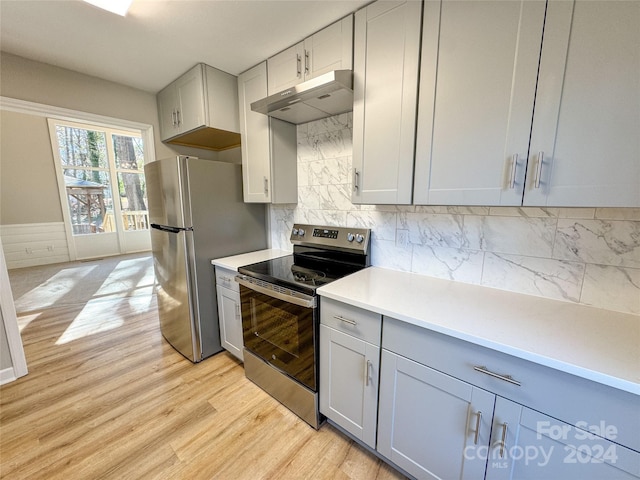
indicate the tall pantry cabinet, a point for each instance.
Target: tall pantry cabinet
{"x":479,"y":79}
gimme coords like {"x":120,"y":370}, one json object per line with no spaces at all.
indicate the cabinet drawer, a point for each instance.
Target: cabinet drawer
{"x":226,"y":278}
{"x":569,"y":398}
{"x":355,"y":321}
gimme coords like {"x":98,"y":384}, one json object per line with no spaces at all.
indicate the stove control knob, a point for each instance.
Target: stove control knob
{"x":359,"y":238}
{"x":295,"y":231}
{"x":301,"y":232}
{"x":350,"y":237}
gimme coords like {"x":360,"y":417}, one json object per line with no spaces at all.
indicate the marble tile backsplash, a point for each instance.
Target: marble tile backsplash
{"x":582,"y":255}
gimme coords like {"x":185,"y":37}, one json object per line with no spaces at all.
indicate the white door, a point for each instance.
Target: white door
{"x":477,"y":88}
{"x":286,"y":68}
{"x":254,"y":131}
{"x":102,"y":189}
{"x":349,"y":383}
{"x":385,"y":94}
{"x":430,"y":424}
{"x":230,"y":320}
{"x":329,"y":49}
{"x":527,"y":444}
{"x":585,"y":139}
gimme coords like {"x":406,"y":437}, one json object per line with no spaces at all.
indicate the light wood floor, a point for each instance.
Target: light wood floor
{"x":107,"y":398}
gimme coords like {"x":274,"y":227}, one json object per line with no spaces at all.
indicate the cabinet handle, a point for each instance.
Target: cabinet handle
{"x":238,"y":313}
{"x":367,"y":374}
{"x":477,"y":434}
{"x":345,"y":320}
{"x":266,"y":186}
{"x":514,"y":166}
{"x":506,"y":378}
{"x":356,"y":179}
{"x":503,"y":442}
{"x":536,"y":183}
{"x":178,"y":117}
{"x":306,"y":62}
{"x":299,"y":63}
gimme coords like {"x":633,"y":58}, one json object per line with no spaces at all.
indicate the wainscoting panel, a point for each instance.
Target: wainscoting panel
{"x":31,"y":244}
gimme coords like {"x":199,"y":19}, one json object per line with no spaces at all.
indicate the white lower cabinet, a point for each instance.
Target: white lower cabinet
{"x":527,"y":444}
{"x":349,"y":368}
{"x":444,"y":408}
{"x":430,"y":422}
{"x":229,"y":313}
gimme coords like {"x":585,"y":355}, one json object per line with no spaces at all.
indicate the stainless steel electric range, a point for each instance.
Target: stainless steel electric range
{"x":280,"y":313}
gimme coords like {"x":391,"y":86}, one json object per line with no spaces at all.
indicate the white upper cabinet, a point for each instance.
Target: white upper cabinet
{"x":585,"y":144}
{"x":199,"y":109}
{"x":386,"y":58}
{"x":482,"y":141}
{"x":327,"y":50}
{"x":477,"y":88}
{"x":269,"y":170}
{"x":181,"y":104}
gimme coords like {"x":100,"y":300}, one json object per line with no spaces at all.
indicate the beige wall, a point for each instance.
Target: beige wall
{"x":28,"y":189}
{"x":28,"y":186}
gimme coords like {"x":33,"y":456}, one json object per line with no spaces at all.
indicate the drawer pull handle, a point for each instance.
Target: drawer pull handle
{"x":345,"y":320}
{"x":506,"y":378}
{"x":503,"y":442}
{"x":477,"y":434}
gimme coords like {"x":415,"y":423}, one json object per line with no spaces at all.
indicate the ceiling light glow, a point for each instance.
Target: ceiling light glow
{"x":119,"y":7}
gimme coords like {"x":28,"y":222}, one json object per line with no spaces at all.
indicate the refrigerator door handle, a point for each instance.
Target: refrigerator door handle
{"x":165,"y":228}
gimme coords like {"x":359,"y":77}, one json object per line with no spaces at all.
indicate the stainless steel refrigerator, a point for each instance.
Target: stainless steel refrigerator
{"x":197,"y":213}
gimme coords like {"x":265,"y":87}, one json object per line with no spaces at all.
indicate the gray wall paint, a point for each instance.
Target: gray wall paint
{"x":26,"y":158}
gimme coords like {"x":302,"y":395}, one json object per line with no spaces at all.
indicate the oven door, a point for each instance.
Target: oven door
{"x":280,"y":326}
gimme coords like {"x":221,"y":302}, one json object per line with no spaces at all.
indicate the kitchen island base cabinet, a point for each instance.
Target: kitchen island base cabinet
{"x":429,"y":422}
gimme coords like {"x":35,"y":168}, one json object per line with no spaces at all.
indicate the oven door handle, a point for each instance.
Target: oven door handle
{"x":296,"y":298}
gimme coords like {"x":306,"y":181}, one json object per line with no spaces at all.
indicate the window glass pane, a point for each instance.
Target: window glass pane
{"x":133,"y":201}
{"x":82,"y":148}
{"x":129,"y":152}
{"x":90,"y":201}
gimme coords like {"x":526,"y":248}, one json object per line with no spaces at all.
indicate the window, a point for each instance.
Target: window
{"x":97,"y":163}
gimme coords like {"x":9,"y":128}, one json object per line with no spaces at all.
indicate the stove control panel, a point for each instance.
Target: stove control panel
{"x":339,"y":238}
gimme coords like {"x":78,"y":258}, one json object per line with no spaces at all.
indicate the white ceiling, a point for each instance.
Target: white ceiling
{"x":159,"y":40}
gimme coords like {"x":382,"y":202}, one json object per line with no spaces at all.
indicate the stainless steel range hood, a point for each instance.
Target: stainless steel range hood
{"x":320,"y":97}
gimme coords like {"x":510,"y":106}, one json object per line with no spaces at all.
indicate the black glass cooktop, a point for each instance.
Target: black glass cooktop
{"x":299,"y":272}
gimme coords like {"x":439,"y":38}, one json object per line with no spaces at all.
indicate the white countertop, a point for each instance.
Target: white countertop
{"x":236,"y":261}
{"x":596,"y":344}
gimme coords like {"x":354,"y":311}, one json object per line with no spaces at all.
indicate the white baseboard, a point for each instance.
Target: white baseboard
{"x":7,"y":375}
{"x":32,"y":244}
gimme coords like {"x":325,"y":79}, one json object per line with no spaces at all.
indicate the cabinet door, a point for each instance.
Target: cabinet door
{"x":477,"y":88}
{"x":349,"y":383}
{"x":430,"y":424}
{"x":191,"y":100}
{"x":254,"y":131}
{"x":386,"y":56}
{"x":230,"y":321}
{"x":585,"y":143}
{"x":167,"y":106}
{"x":286,"y":69}
{"x":329,"y":49}
{"x":526,"y":444}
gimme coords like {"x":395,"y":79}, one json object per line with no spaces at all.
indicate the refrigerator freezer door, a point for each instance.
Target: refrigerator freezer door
{"x":175,"y":291}
{"x":168,"y":192}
